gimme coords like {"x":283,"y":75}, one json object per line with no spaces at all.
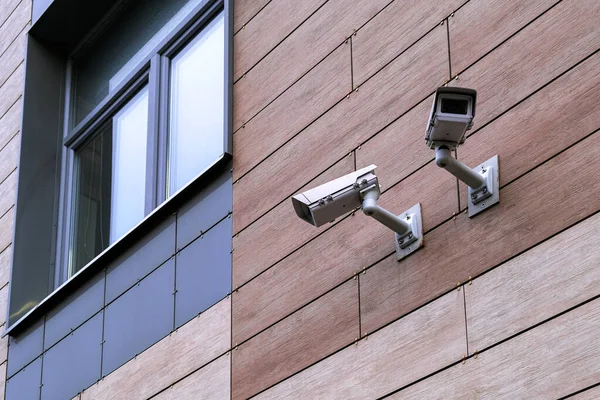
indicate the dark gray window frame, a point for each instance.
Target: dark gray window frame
{"x":153,"y":71}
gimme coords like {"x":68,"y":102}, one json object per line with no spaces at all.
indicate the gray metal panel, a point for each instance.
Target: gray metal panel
{"x":139,"y":318}
{"x":41,"y":138}
{"x":74,"y":363}
{"x":74,"y":310}
{"x":26,"y":384}
{"x":24,"y":348}
{"x":153,"y":250}
{"x":206,"y":209}
{"x":203,"y":272}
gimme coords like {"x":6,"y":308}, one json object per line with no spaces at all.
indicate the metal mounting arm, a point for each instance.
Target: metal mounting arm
{"x":408,"y":228}
{"x":483,"y":180}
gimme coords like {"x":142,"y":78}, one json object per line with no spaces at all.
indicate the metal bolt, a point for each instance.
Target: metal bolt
{"x":484,"y":190}
{"x":400,"y":241}
{"x":407,"y":216}
{"x":410,"y":236}
{"x":474,"y":196}
{"x":330,"y":198}
{"x":364,"y":182}
{"x":482,"y":205}
{"x":409,"y":248}
{"x":321,"y":201}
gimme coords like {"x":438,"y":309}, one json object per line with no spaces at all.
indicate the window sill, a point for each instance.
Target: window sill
{"x":117,"y":248}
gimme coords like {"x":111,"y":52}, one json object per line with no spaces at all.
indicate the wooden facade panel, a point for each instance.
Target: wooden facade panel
{"x":6,"y":9}
{"x":3,"y":349}
{"x":270,"y":26}
{"x":7,"y":224}
{"x":393,"y":30}
{"x":8,"y":192}
{"x":466,"y":247}
{"x":397,"y":355}
{"x":481,"y":25}
{"x":352,"y":121}
{"x":268,"y":240}
{"x":11,"y":90}
{"x":535,"y":286}
{"x":543,"y":50}
{"x":194,"y":344}
{"x":12,"y":57}
{"x":298,"y":341}
{"x":308,"y":98}
{"x":209,"y":382}
{"x":245,"y":10}
{"x":550,"y":361}
{"x":3,"y":304}
{"x":303,"y":49}
{"x":355,"y":243}
{"x":10,"y":123}
{"x":14,"y":24}
{"x":554,"y":118}
{"x":9,"y":158}
{"x":590,"y":394}
{"x":5,"y":261}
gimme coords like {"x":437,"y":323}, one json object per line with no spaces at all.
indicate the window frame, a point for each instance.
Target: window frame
{"x":153,"y":71}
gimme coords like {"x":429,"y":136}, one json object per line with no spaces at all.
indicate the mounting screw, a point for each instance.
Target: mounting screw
{"x":410,"y":236}
{"x":400,"y":241}
{"x":474,"y":196}
{"x":409,"y":248}
{"x":482,"y":205}
{"x":484,"y":190}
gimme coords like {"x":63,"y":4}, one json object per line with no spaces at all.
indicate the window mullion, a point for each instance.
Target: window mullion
{"x":163,"y":130}
{"x":153,"y":149}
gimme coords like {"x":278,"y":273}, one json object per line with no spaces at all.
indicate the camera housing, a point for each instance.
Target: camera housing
{"x":451,"y":116}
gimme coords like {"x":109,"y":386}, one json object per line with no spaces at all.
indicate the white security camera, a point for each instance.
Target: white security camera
{"x":451,"y":116}
{"x":333,"y":199}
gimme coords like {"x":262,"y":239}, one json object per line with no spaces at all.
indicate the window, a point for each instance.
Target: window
{"x":125,"y":164}
{"x":126,"y":118}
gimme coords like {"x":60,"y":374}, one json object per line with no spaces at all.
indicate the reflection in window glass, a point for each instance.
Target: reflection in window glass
{"x":110,"y":193}
{"x":197,"y":105}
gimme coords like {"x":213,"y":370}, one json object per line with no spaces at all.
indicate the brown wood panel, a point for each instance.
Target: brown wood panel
{"x":481,"y":25}
{"x":3,"y":349}
{"x":535,"y":286}
{"x":9,"y":157}
{"x":14,"y":55}
{"x":302,"y":50}
{"x":543,"y":50}
{"x":466,"y":247}
{"x":3,"y":304}
{"x":14,"y":24}
{"x":5,"y":261}
{"x":8,"y":192}
{"x":211,"y":382}
{"x":183,"y":351}
{"x":311,"y":96}
{"x":3,"y":380}
{"x":245,"y":10}
{"x":6,"y":229}
{"x":399,"y":149}
{"x":355,"y":243}
{"x":298,"y":341}
{"x":11,"y":90}
{"x":393,"y":30}
{"x":381,"y":100}
{"x":557,"y":116}
{"x":272,"y":232}
{"x":403,"y":352}
{"x":273,"y":24}
{"x":10,"y":123}
{"x":590,"y":394}
{"x":550,"y":361}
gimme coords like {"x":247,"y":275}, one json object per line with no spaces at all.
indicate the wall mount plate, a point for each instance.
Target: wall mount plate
{"x":412,"y":241}
{"x":483,"y":199}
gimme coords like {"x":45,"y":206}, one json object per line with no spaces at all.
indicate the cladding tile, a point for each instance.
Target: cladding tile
{"x":12,"y":57}
{"x":281,"y":17}
{"x":271,"y":231}
{"x":352,"y":121}
{"x":7,"y":7}
{"x":176,"y":356}
{"x":302,"y":50}
{"x":480,"y":26}
{"x":550,"y":361}
{"x":296,"y":108}
{"x":13,"y":25}
{"x":406,"y":350}
{"x":6,"y":228}
{"x":535,"y":285}
{"x":542,"y":51}
{"x":10,"y":123}
{"x":387,"y":292}
{"x":25,"y":348}
{"x":26,"y":384}
{"x":392,"y":31}
{"x":9,"y":157}
{"x":296,"y":342}
{"x":245,"y":10}
{"x":8,"y":193}
{"x":590,"y":394}
{"x":5,"y":262}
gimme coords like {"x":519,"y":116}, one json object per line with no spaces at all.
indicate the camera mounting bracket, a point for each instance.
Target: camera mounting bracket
{"x":484,"y":197}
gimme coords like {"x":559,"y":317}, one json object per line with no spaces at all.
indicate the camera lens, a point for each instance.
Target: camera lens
{"x":455,"y":106}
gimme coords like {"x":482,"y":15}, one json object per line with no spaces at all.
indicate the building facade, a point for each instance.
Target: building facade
{"x":218,"y":290}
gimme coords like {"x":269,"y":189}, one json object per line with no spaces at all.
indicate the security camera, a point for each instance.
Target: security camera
{"x":333,"y":199}
{"x":451,"y":116}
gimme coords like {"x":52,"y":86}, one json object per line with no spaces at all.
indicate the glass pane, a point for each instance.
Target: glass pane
{"x":111,"y":182}
{"x":133,"y":32}
{"x":197,"y":105}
